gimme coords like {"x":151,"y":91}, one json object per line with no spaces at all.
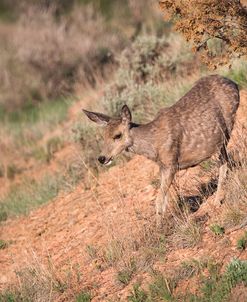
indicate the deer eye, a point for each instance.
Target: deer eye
{"x":118,"y":136}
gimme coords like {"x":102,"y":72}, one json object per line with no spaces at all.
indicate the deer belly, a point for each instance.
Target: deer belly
{"x":194,"y":153}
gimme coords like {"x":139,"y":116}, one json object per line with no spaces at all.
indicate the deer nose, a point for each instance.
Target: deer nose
{"x":102,"y":159}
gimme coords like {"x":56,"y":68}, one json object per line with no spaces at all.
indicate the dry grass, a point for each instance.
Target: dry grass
{"x":132,"y":244}
{"x":137,"y":249}
{"x":234,"y":212}
{"x":187,"y":232}
{"x":41,"y":282}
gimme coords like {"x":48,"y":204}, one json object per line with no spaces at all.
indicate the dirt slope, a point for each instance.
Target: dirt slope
{"x":63,"y":228}
{"x":119,"y":205}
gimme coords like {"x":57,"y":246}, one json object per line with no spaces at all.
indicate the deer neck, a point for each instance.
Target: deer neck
{"x":142,"y":140}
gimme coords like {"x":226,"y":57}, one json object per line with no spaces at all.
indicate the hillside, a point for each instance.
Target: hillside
{"x":83,"y":240}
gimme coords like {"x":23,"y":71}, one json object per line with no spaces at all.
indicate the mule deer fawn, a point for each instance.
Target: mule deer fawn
{"x":181,"y":136}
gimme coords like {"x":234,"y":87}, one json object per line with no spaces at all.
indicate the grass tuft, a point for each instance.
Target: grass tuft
{"x":3,"y":244}
{"x":218,"y":287}
{"x":213,"y":286}
{"x":3,"y":213}
{"x":83,"y":297}
{"x":138,"y":294}
{"x":187,"y":233}
{"x":191,"y":268}
{"x":242,"y":242}
{"x":39,"y":282}
{"x":161,"y":288}
{"x":9,"y":296}
{"x":217,"y":230}
{"x":124,"y":276}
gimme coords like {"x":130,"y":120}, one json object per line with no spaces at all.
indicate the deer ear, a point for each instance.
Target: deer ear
{"x":98,"y":118}
{"x":126,"y":114}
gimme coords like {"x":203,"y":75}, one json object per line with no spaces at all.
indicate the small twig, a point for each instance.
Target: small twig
{"x":168,"y":287}
{"x":203,"y":44}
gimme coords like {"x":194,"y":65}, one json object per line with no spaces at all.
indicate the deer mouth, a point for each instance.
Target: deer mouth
{"x":108,"y":162}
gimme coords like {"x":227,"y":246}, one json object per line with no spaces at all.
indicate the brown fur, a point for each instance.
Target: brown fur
{"x":180,"y":136}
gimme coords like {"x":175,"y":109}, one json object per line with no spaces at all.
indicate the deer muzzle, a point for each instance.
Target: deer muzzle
{"x":104,"y":160}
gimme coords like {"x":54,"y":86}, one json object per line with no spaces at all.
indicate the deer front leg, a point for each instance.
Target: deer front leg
{"x":220,"y":194}
{"x":166,"y":178}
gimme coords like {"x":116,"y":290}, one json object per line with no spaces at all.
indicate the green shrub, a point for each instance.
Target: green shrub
{"x":125,"y":275}
{"x":12,"y":170}
{"x":3,"y":213}
{"x":2,"y":172}
{"x":238,"y":73}
{"x":213,"y":286}
{"x":9,"y":296}
{"x":217,"y":229}
{"x":145,"y":77}
{"x":161,"y":288}
{"x":236,"y":272}
{"x":84,"y":297}
{"x":138,"y":294}
{"x":46,"y":153}
{"x":40,"y":154}
{"x":207,"y":165}
{"x":3,"y":244}
{"x":217,"y":287}
{"x":242,"y":242}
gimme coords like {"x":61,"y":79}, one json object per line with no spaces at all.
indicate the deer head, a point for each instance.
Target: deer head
{"x":116,"y":133}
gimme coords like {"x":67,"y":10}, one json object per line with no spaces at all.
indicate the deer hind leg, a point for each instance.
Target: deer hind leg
{"x":162,"y":200}
{"x":220,"y":193}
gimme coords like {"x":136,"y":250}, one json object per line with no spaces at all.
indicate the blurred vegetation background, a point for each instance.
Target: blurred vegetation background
{"x":49,"y":48}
